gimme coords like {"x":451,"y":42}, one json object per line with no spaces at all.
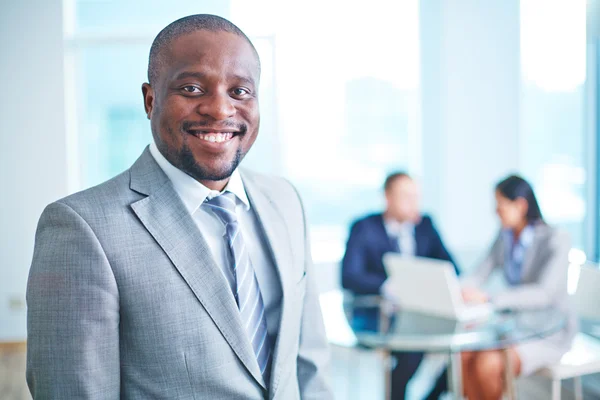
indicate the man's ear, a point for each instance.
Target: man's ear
{"x":148,"y":93}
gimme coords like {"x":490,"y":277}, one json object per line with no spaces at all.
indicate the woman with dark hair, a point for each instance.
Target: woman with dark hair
{"x":534,"y":259}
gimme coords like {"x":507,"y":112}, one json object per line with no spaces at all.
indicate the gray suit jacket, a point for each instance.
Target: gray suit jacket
{"x":543,"y":278}
{"x":125,"y":300}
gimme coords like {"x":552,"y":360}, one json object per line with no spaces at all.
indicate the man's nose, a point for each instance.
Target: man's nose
{"x":218,"y":106}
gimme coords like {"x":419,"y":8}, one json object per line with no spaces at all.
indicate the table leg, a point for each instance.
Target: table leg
{"x":388,"y":365}
{"x":388,"y":362}
{"x":509,"y":377}
{"x":455,"y":376}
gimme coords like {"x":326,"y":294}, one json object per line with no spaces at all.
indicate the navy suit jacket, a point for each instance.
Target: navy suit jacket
{"x":362,"y":266}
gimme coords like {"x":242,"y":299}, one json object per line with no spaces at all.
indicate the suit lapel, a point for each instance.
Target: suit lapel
{"x":278,"y":241}
{"x":165,"y":217}
{"x":420,"y":240}
{"x":389,"y":243}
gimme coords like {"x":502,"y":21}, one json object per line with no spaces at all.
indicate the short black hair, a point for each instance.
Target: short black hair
{"x":514,"y":187}
{"x":393,"y":177}
{"x":185,"y":26}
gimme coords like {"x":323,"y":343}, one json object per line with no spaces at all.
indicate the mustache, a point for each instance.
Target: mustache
{"x":189,"y":125}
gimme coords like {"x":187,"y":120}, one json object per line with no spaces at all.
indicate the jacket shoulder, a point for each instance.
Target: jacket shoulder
{"x":426,"y":224}
{"x":426,"y":219}
{"x":367,"y":221}
{"x":113,"y":193}
{"x":554,"y":236}
{"x":276,"y":187}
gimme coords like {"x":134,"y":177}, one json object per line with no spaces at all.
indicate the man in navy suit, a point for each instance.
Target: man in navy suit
{"x":401,"y":228}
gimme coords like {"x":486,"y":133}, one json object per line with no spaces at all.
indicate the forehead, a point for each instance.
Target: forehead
{"x":210,"y":52}
{"x":501,"y":198}
{"x":403,"y":184}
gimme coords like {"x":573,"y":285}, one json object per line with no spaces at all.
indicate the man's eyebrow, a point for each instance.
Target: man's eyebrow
{"x":245,"y":79}
{"x":189,"y":74}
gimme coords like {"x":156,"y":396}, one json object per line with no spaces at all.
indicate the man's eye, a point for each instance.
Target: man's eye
{"x":240,"y":91}
{"x":191,"y":89}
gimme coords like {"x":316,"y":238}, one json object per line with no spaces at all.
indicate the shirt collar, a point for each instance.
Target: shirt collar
{"x":394,"y":227}
{"x":192,"y":192}
{"x":526,"y":237}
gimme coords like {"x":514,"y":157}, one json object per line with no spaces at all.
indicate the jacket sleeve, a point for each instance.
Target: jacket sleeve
{"x":485,"y":268}
{"x":73,"y":312}
{"x":355,"y":275}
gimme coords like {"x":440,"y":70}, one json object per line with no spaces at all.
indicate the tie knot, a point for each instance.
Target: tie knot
{"x":224,"y":207}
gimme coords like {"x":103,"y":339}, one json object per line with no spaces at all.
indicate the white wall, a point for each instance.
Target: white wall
{"x":33,"y":169}
{"x":470,"y":114}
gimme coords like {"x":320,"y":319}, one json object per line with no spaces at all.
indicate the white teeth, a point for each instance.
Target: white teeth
{"x":216,"y":137}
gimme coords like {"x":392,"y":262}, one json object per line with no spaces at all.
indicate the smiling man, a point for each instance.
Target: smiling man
{"x":183,"y":277}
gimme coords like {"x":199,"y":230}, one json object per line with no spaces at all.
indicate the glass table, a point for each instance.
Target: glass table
{"x":372,"y":322}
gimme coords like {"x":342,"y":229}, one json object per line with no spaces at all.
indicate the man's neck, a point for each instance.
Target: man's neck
{"x":215,"y":185}
{"x":389,"y":217}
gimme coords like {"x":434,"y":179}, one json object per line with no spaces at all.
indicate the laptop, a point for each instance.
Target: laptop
{"x":430,"y":286}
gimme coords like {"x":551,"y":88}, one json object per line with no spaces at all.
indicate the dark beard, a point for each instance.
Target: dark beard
{"x":188,"y":164}
{"x":184,"y":160}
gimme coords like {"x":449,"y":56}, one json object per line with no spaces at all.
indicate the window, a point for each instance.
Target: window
{"x":553,"y":135}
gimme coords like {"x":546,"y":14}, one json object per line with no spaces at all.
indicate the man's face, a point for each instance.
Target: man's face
{"x":203,"y":106}
{"x":402,"y":199}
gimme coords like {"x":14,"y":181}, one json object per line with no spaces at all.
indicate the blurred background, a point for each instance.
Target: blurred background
{"x":457,"y":92}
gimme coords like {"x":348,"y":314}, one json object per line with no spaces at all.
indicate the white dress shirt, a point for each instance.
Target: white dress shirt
{"x":405,"y":232}
{"x":514,"y":252}
{"x":193,"y":194}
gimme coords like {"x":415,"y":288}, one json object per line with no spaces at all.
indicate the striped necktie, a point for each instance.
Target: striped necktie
{"x":243,"y":282}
